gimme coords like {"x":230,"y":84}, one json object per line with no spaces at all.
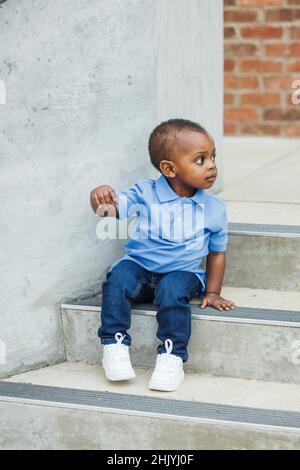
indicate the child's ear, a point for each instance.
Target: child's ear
{"x":167,"y":168}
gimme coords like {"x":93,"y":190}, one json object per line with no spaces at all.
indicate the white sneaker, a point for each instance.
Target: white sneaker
{"x":168,"y":373}
{"x":116,"y":360}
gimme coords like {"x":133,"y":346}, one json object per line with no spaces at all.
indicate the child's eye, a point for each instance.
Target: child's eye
{"x":202,"y":159}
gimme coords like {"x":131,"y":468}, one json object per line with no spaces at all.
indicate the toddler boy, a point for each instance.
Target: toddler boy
{"x":177,"y":224}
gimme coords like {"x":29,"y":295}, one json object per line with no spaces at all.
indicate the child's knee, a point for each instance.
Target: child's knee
{"x":171,"y":296}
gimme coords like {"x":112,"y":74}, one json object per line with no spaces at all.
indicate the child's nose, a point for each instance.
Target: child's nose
{"x":212,"y":164}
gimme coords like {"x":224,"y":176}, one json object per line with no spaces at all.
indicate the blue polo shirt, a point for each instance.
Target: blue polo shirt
{"x":171,"y":233}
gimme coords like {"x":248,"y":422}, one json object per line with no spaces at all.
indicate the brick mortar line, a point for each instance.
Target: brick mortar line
{"x":267,"y":41}
{"x":292,"y":75}
{"x":239,"y":7}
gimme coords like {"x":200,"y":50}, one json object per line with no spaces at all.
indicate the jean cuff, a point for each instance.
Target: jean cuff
{"x":162,"y":350}
{"x":113,"y":341}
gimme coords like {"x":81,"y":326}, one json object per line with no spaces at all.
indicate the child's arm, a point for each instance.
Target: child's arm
{"x":215,"y":269}
{"x":103,"y":200}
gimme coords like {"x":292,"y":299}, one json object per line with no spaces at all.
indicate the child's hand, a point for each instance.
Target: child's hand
{"x":103,"y":200}
{"x":216,"y":301}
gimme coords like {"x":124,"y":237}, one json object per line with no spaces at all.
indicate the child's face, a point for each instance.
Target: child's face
{"x":194,"y":160}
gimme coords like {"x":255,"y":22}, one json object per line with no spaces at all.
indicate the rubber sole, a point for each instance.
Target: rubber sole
{"x":118,"y":377}
{"x":166,"y":387}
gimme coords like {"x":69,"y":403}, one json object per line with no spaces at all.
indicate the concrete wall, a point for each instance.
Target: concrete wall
{"x":85,"y":84}
{"x":190,"y":66}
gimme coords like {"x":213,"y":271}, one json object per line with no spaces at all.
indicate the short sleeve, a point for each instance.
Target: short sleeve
{"x":127,"y":202}
{"x":218,"y":240}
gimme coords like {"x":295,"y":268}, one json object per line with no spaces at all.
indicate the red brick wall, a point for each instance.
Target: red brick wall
{"x":262,"y":60}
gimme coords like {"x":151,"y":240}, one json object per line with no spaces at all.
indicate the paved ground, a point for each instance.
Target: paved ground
{"x":261,"y":180}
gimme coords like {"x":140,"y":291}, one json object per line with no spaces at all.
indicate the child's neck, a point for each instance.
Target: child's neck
{"x":181,"y":189}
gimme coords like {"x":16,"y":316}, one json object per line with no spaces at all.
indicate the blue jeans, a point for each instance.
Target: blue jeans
{"x":129,"y":283}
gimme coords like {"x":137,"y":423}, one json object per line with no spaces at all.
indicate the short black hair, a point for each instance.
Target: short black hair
{"x":163,"y":138}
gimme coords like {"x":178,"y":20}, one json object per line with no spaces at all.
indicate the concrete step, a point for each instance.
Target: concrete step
{"x":263,"y":256}
{"x":262,"y":188}
{"x":258,"y":340}
{"x":73,"y":406}
{"x":266,"y":212}
{"x":266,"y":173}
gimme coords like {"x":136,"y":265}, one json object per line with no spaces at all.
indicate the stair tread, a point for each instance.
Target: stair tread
{"x":273,"y":164}
{"x":258,"y":305}
{"x":248,"y":212}
{"x":195,"y":388}
{"x":254,"y":228}
{"x":242,"y":296}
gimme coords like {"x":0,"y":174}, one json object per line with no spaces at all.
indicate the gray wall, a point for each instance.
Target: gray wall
{"x":85,"y":84}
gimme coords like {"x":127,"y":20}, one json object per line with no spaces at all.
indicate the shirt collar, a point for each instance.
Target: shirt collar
{"x":166,"y":193}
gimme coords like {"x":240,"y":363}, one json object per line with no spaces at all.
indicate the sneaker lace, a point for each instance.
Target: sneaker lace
{"x":118,"y":350}
{"x":167,"y":361}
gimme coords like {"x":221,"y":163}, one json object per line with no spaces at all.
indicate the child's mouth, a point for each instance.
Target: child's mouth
{"x":211,"y":178}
